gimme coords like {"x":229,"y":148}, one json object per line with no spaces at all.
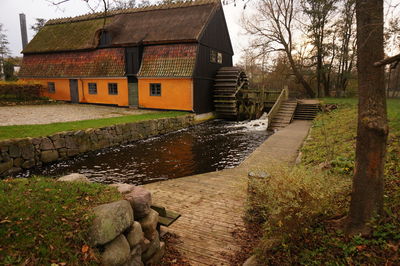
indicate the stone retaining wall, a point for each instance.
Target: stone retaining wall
{"x":19,"y":154}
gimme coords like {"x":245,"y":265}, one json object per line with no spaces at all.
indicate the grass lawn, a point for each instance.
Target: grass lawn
{"x":43,"y":221}
{"x":21,"y":131}
{"x":328,"y":159}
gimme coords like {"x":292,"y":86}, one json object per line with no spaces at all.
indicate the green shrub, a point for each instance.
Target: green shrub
{"x":20,"y":91}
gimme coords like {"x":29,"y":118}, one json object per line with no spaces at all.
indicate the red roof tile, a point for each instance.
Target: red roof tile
{"x":168,"y":61}
{"x":96,"y":63}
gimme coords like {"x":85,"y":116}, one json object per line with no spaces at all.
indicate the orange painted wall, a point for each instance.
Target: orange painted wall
{"x":63,"y":91}
{"x":102,"y":95}
{"x":176,"y":94}
{"x":62,"y":88}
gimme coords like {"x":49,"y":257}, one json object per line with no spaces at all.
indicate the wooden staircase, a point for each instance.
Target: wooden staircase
{"x":306,"y":111}
{"x":284,"y":115}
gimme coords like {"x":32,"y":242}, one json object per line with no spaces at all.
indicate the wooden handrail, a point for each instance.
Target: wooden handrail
{"x":284,"y":95}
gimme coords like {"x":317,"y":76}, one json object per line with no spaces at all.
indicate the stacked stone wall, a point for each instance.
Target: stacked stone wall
{"x":19,"y":154}
{"x":125,"y":232}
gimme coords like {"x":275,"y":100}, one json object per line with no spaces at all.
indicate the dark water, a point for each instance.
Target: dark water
{"x":211,"y":146}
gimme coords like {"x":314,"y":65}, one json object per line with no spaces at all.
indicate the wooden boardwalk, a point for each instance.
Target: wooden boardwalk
{"x":212,"y":204}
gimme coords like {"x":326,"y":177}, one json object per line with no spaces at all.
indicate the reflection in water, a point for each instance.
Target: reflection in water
{"x":211,"y":146}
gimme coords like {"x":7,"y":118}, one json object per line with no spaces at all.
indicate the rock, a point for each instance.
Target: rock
{"x":110,"y":221}
{"x":259,"y":174}
{"x":5,"y":157}
{"x":135,"y":235}
{"x":28,"y":152}
{"x":75,"y":177}
{"x":252,"y":261}
{"x":135,"y":257}
{"x":48,"y":156}
{"x":149,"y":224}
{"x":59,"y":143}
{"x":36,"y":141}
{"x":14,"y":151}
{"x":145,"y":244}
{"x":46,"y":145}
{"x":18,"y":162}
{"x":70,"y":143}
{"x":157,"y":256}
{"x":14,"y":170}
{"x":28,"y":164}
{"x":140,"y":199}
{"x":6,"y":166}
{"x":72,"y":152}
{"x":117,"y":252}
{"x":152,"y":249}
{"x":123,"y":188}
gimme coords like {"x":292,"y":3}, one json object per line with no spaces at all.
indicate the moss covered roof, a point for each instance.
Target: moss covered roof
{"x":155,"y":24}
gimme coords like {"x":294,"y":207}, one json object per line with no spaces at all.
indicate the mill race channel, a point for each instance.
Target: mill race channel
{"x":211,"y":146}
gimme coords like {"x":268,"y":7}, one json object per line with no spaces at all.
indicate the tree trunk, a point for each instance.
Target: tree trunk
{"x":299,"y":76}
{"x":367,"y":194}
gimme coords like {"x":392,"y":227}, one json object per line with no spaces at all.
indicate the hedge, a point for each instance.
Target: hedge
{"x":21,"y":91}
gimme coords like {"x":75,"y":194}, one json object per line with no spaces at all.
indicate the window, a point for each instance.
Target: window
{"x":155,"y":89}
{"x":105,"y":38}
{"x":92,"y":88}
{"x":215,"y":57}
{"x":51,"y":87}
{"x":219,"y":58}
{"x":113,"y":88}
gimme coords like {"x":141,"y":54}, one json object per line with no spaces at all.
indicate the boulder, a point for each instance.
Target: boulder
{"x":6,"y":166}
{"x":28,"y":152}
{"x":149,"y":224}
{"x":72,"y":152}
{"x":145,"y":244}
{"x":152,"y":249}
{"x":252,"y":261}
{"x":157,"y":256}
{"x":135,"y":235}
{"x":135,"y":257}
{"x":140,"y":199}
{"x":117,"y":252}
{"x":59,"y":143}
{"x":28,"y":164}
{"x":123,"y":188}
{"x":48,"y":156}
{"x":18,"y":162}
{"x":75,"y":177}
{"x":46,"y":144}
{"x":14,"y":151}
{"x":110,"y":221}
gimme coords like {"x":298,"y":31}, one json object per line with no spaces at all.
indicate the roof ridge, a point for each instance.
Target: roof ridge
{"x":90,"y":16}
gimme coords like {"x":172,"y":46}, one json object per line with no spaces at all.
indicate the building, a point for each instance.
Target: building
{"x":158,"y":57}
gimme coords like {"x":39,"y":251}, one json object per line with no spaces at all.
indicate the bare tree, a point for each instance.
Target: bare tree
{"x":39,"y":24}
{"x":274,"y":24}
{"x":367,"y":195}
{"x":4,"y":50}
{"x":319,"y":12}
{"x":347,"y":45}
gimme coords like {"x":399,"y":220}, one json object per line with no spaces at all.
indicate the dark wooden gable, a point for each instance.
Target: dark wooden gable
{"x":216,"y":34}
{"x":214,"y":38}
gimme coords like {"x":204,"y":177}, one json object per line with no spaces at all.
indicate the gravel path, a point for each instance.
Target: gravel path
{"x":45,"y":114}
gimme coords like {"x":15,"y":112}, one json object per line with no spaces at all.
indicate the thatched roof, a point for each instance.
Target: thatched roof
{"x":181,"y":22}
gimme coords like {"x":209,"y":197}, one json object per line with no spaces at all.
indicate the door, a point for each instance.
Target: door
{"x":73,"y":88}
{"x":133,"y":94}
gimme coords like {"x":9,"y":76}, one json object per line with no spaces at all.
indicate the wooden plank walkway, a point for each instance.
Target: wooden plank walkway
{"x":212,"y":204}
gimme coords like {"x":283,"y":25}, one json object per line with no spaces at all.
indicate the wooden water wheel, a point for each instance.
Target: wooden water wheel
{"x":233,"y":99}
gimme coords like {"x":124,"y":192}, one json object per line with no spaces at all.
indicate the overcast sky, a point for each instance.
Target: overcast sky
{"x":10,"y":10}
